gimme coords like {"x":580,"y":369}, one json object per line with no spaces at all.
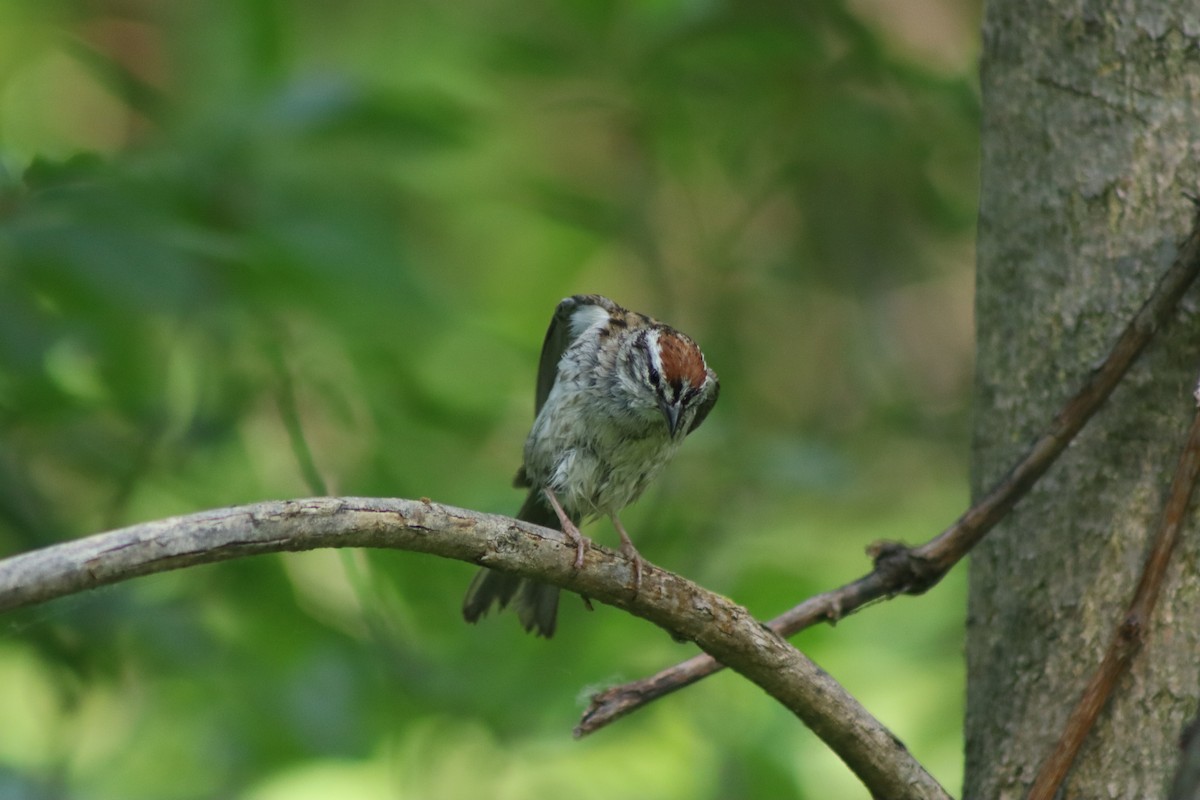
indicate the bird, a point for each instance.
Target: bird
{"x":617,"y":393}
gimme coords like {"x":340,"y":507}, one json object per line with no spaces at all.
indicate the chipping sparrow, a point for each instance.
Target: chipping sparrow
{"x":617,"y":392}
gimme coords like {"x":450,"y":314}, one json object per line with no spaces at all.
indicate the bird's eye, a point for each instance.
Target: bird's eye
{"x":651,"y":371}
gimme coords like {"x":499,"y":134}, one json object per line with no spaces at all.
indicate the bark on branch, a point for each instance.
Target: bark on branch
{"x":717,"y":625}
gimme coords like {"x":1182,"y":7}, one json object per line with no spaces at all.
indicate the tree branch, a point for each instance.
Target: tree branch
{"x":717,"y":625}
{"x":1129,"y":636}
{"x":903,"y":570}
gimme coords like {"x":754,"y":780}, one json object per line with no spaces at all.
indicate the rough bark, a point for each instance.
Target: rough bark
{"x":723,"y":629}
{"x":1090,"y":135}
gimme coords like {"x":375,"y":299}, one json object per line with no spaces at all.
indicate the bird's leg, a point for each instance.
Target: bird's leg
{"x":568,"y":527}
{"x":631,"y":553}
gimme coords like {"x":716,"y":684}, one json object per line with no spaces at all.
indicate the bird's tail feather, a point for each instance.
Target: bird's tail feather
{"x":536,"y":604}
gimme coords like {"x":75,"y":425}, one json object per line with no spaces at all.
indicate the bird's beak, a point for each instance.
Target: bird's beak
{"x":671,"y":412}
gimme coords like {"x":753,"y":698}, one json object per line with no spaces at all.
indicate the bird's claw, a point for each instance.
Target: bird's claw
{"x":630,"y":552}
{"x":569,"y":528}
{"x":580,"y":541}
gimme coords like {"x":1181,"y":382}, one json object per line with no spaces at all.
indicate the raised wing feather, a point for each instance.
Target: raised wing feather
{"x":571,"y":318}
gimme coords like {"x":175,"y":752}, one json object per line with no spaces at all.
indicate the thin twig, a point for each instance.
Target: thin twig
{"x":687,"y":611}
{"x":1130,"y":633}
{"x":903,"y":570}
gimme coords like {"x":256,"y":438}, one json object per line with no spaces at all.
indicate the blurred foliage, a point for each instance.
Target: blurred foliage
{"x":251,"y":249}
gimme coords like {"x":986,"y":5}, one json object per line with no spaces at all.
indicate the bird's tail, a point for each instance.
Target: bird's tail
{"x":536,"y":604}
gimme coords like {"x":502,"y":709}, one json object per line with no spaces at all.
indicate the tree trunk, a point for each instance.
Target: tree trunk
{"x":1091,"y":131}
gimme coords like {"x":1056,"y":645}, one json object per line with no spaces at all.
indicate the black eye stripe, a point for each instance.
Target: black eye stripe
{"x":652,"y":372}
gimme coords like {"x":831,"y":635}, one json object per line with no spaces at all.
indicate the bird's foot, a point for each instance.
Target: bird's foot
{"x":569,"y":528}
{"x":630,"y":552}
{"x":580,"y":541}
{"x":638,"y":565}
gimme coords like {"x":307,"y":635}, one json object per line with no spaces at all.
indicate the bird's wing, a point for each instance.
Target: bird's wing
{"x":572,"y":317}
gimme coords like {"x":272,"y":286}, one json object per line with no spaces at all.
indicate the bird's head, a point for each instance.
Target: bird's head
{"x":673,"y":368}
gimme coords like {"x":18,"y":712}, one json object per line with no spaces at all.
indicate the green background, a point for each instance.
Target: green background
{"x":255,"y":250}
